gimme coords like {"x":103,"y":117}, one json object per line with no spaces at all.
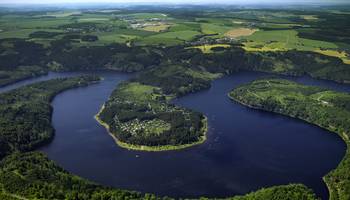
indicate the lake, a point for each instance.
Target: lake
{"x":246,"y":149}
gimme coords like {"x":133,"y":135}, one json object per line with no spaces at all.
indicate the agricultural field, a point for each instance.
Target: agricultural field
{"x":240,"y":32}
{"x":256,"y":30}
{"x":283,"y":40}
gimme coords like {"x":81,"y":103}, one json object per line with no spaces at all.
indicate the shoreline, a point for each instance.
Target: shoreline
{"x":332,"y":189}
{"x":127,"y":146}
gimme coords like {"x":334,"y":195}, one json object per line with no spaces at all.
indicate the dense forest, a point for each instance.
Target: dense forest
{"x":19,"y":63}
{"x":25,"y":113}
{"x":33,"y":176}
{"x":325,"y":108}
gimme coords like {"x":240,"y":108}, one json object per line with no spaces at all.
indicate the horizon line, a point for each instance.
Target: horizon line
{"x":174,"y":3}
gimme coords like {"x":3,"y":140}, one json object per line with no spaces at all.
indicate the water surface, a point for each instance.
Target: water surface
{"x":246,"y":149}
{"x":49,"y":76}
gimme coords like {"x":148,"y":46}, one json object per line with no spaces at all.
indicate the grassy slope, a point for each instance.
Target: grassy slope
{"x":327,"y":109}
{"x":170,"y":38}
{"x":281,"y":40}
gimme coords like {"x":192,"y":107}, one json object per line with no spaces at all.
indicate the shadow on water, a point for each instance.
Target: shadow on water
{"x":246,"y":149}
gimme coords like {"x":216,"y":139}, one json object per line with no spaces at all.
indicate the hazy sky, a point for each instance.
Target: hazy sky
{"x":169,"y":1}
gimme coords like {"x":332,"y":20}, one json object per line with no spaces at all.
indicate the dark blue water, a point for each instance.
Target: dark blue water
{"x":246,"y":149}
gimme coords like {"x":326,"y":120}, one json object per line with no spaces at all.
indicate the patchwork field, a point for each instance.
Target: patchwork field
{"x":157,"y":28}
{"x":239,"y":32}
{"x":283,"y":40}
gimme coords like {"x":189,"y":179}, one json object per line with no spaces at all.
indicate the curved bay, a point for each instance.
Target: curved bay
{"x":246,"y":149}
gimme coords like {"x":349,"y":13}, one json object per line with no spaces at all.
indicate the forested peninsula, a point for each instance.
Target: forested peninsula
{"x":140,"y":116}
{"x":25,"y":113}
{"x":135,"y":108}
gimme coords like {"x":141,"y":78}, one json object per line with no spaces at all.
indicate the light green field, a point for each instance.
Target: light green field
{"x":264,"y":16}
{"x":181,"y":35}
{"x":62,"y":13}
{"x":139,"y":92}
{"x":283,"y":40}
{"x":309,"y":17}
{"x":170,"y":38}
{"x":208,"y":48}
{"x":157,"y":28}
{"x":93,"y":19}
{"x":22,"y":33}
{"x":213,"y":20}
{"x":112,"y":37}
{"x":158,"y":41}
{"x":240,"y":32}
{"x":148,"y":15}
{"x":339,"y":54}
{"x":30,"y":23}
{"x":185,"y":27}
{"x":214,"y":29}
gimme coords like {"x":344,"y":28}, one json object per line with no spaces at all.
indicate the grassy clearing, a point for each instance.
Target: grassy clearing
{"x":159,"y":41}
{"x":33,"y":23}
{"x":63,"y":13}
{"x":283,"y":40}
{"x":21,"y":33}
{"x":112,"y":37}
{"x":157,"y":28}
{"x":93,"y":19}
{"x":240,"y":32}
{"x":339,"y":54}
{"x":309,"y":17}
{"x":181,"y":35}
{"x":214,"y":29}
{"x":207,"y":48}
{"x":238,"y":22}
{"x":148,"y":15}
{"x":169,"y":38}
{"x":138,"y":92}
{"x":187,"y":26}
{"x":24,"y":33}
